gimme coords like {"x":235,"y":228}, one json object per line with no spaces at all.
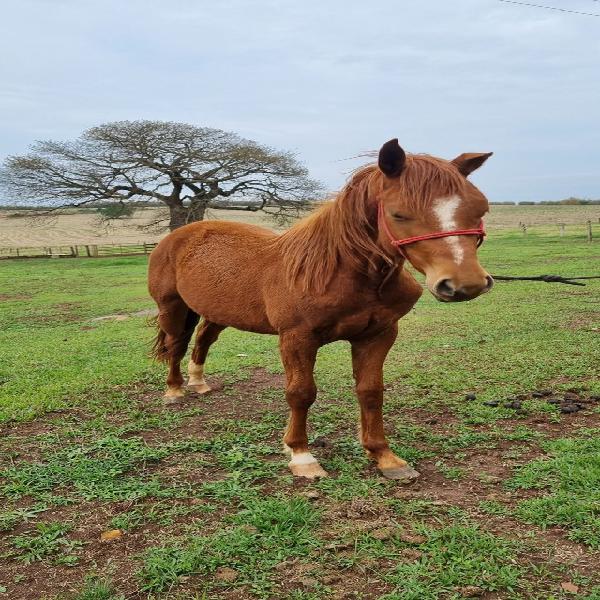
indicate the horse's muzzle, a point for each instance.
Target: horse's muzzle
{"x":447,"y":290}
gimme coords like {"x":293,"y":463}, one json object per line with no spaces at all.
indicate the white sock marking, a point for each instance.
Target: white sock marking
{"x":195,"y":369}
{"x":196,"y":373}
{"x":445,"y":211}
{"x":303,"y":458}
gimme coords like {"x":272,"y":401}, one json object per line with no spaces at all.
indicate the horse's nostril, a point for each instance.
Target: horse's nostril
{"x":445,"y":288}
{"x":490,"y":283}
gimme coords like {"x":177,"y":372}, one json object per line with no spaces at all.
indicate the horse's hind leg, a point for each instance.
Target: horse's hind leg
{"x":207,"y":335}
{"x":176,"y":323}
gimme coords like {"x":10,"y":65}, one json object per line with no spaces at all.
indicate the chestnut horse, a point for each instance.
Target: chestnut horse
{"x":337,"y":275}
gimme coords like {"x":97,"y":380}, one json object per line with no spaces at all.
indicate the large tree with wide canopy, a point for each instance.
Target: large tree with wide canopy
{"x":185,"y":167}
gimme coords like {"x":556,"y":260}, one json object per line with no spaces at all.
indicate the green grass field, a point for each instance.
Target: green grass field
{"x":508,"y":505}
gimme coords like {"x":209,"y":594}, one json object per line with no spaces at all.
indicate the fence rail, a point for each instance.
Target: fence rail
{"x":587,"y":231}
{"x":78,"y":250}
{"x":582,"y":231}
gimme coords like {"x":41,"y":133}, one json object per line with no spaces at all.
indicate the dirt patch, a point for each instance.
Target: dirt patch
{"x":13,"y":297}
{"x":586,"y":321}
{"x":149,"y":312}
{"x":483,"y":470}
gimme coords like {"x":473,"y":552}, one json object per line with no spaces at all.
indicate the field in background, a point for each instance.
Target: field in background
{"x":194,"y":500}
{"x":84,"y":227}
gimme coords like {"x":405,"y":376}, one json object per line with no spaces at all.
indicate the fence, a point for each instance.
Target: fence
{"x":563,"y":229}
{"x":78,"y":250}
{"x":588,"y":231}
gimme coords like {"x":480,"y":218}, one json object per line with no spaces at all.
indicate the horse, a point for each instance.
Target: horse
{"x":339,"y":274}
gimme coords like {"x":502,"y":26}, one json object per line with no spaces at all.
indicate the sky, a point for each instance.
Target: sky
{"x":327,"y":79}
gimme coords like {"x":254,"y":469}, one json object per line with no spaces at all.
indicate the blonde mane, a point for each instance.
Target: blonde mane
{"x":345,"y":230}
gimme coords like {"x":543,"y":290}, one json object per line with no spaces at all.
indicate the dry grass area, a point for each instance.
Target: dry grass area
{"x":508,"y":217}
{"x":85,"y":228}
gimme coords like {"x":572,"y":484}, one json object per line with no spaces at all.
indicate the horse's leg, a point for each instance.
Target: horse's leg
{"x":177,"y":322}
{"x":207,"y":335}
{"x":368,"y":357}
{"x":298,"y":354}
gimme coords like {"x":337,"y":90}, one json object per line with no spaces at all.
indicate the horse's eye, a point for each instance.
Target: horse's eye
{"x":399,"y":217}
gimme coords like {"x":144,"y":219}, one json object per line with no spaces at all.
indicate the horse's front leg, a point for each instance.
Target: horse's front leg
{"x":298,"y":353}
{"x":368,"y":356}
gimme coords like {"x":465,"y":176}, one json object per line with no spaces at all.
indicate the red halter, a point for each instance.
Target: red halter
{"x":479,"y":232}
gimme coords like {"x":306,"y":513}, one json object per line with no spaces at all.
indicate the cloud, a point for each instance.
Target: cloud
{"x":326,"y":79}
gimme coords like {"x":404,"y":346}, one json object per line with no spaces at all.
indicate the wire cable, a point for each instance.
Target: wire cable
{"x":565,"y":10}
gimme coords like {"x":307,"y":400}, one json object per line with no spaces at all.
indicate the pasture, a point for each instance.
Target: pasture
{"x":83,"y":227}
{"x":107,"y":493}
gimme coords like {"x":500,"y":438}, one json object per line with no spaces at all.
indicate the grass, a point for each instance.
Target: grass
{"x":571,"y":473}
{"x":96,"y":588}
{"x":48,"y":539}
{"x":455,"y":558}
{"x":264,"y":533}
{"x":201,"y":493}
{"x":97,"y":471}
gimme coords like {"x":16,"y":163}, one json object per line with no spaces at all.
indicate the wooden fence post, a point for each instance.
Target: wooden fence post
{"x":589,"y":231}
{"x":76,"y":250}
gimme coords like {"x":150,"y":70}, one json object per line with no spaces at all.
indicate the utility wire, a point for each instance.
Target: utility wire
{"x":566,"y":10}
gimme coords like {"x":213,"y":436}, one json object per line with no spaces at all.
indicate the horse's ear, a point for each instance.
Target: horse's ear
{"x":469,"y":161}
{"x":391,"y":158}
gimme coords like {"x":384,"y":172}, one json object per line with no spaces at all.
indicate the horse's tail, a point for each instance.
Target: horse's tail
{"x":159,"y":350}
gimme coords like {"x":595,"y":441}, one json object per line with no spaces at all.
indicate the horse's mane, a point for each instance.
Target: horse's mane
{"x":346,"y":228}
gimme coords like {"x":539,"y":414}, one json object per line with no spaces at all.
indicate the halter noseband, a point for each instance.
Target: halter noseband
{"x":398,"y":244}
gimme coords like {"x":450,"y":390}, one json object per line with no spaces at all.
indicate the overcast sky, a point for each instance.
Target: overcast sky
{"x":328,"y":79}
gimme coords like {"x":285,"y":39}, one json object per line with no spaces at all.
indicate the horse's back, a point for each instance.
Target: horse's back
{"x":218,"y":268}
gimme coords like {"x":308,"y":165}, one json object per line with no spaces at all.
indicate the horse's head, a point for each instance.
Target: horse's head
{"x":419,"y":195}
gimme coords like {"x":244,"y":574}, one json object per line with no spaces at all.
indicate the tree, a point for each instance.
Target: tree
{"x":187,"y":168}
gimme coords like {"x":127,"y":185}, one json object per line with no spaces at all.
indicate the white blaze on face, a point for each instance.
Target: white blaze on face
{"x":445,"y":211}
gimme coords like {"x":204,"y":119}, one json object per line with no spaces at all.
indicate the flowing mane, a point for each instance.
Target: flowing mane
{"x":346,"y":228}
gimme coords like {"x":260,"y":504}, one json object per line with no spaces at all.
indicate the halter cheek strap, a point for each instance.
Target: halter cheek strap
{"x":398,"y":244}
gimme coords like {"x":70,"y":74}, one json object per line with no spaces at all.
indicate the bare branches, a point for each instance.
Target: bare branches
{"x":187,"y":168}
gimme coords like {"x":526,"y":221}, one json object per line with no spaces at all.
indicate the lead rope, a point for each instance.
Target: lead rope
{"x":479,"y":232}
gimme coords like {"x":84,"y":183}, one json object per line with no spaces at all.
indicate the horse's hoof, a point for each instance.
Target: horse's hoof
{"x":401,"y":474}
{"x":199,"y":388}
{"x":174,"y":392}
{"x":173,"y":395}
{"x":310,"y":471}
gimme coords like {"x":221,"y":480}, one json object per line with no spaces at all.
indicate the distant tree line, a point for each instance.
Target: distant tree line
{"x":572,"y":201}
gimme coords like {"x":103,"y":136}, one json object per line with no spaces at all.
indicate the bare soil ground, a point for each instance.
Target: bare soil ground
{"x":364,"y":534}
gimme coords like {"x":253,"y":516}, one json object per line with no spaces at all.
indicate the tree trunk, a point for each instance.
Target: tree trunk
{"x":182,"y":215}
{"x":196,"y":211}
{"x":178,"y":216}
